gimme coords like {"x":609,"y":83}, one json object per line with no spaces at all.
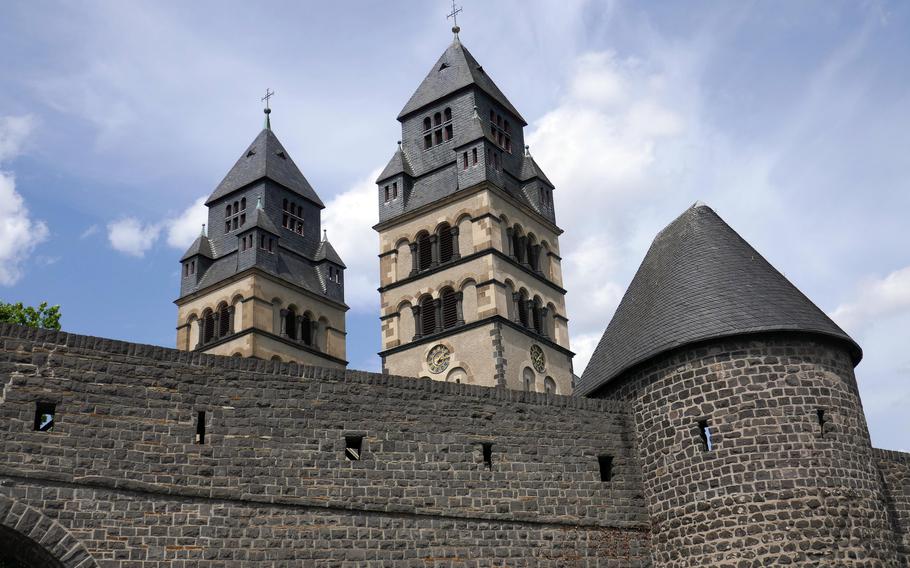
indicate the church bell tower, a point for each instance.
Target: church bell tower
{"x":264,"y":281}
{"x":471,"y":283}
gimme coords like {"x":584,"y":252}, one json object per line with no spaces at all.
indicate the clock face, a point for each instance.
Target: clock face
{"x":538,"y":359}
{"x":438,"y":358}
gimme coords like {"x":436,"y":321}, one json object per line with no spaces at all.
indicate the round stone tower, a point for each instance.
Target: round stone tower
{"x":749,"y":426}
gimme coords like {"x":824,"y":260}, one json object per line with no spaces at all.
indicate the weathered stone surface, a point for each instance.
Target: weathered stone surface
{"x":120,"y":477}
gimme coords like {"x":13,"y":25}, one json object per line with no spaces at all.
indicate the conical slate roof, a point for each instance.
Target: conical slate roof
{"x":530,"y":170}
{"x":700,"y":280}
{"x":327,"y":252}
{"x":397,"y":165}
{"x":265,"y":158}
{"x":201,"y":246}
{"x":454,"y":70}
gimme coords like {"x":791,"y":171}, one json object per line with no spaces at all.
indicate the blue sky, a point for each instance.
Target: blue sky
{"x":791,"y":119}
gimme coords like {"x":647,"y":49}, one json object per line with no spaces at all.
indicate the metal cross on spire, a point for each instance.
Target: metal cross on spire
{"x":267,"y":110}
{"x":454,"y":15}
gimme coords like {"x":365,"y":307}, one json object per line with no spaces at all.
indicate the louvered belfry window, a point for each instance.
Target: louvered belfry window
{"x":428,"y":316}
{"x":449,"y":309}
{"x":424,"y":252}
{"x":445,"y":244}
{"x":537,"y":323}
{"x":523,"y":311}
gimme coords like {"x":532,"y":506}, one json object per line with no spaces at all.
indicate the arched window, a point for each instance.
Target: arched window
{"x":549,"y":385}
{"x":208,"y":326}
{"x":224,"y":321}
{"x":516,"y":241}
{"x":292,"y":217}
{"x":449,"y":308}
{"x":446,"y":246}
{"x":424,"y":252}
{"x":428,"y":315}
{"x":243,"y":204}
{"x":437,"y":130}
{"x":290,"y":323}
{"x":523,"y":308}
{"x":307,"y":336}
{"x":535,"y":313}
{"x":527,"y":379}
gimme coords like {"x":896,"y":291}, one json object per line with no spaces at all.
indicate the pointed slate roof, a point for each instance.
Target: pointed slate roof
{"x":261,"y":220}
{"x":454,"y":70}
{"x":265,"y":158}
{"x":327,"y":252}
{"x":201,"y":246}
{"x":397,"y":165}
{"x":530,"y":170}
{"x":700,"y":280}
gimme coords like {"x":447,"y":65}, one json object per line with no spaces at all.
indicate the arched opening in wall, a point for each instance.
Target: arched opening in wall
{"x":550,"y":321}
{"x":19,"y":551}
{"x":446,"y":247}
{"x":465,"y":237}
{"x":237,"y":306}
{"x":516,"y":242}
{"x":505,"y":234}
{"x":427,"y":315}
{"x":527,"y":380}
{"x":307,"y":329}
{"x":543,"y":263}
{"x":290,"y":322}
{"x":449,"y":308}
{"x":531,"y":250}
{"x":457,"y":375}
{"x":192,"y":332}
{"x":549,"y":385}
{"x":523,"y":307}
{"x":276,"y":358}
{"x":536,"y":315}
{"x":511,"y":301}
{"x":424,"y":251}
{"x":208,"y":326}
{"x":224,"y":320}
{"x":405,"y":323}
{"x":402,"y":267}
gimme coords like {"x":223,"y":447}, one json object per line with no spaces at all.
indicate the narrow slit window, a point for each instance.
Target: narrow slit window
{"x":44,"y":416}
{"x":352,"y":447}
{"x":704,"y":430}
{"x":606,"y":467}
{"x":822,"y":420}
{"x":487,"y":449}
{"x":200,"y":427}
{"x":395,"y":190}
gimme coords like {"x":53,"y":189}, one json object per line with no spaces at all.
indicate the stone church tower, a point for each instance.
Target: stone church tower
{"x":264,"y":281}
{"x":471,"y":284}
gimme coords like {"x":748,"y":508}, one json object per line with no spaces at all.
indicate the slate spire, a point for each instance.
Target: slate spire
{"x":700,"y":280}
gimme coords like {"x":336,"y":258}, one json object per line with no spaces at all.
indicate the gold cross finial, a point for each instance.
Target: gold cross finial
{"x":454,"y":16}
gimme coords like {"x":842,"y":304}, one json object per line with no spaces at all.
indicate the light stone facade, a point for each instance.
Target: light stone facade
{"x":257,"y":301}
{"x":492,"y":347}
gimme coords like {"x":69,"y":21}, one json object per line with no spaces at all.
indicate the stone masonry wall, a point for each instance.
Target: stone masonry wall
{"x":120,"y":477}
{"x":895,"y":471}
{"x":782,"y":485}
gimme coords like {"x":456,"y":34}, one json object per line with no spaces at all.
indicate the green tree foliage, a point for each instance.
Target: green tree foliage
{"x":42,"y":316}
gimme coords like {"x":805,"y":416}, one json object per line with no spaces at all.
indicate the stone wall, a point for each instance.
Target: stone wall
{"x":782,"y":484}
{"x":895,"y":471}
{"x":120,"y":473}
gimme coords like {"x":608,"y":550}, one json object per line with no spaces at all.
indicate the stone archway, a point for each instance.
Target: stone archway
{"x":29,"y":538}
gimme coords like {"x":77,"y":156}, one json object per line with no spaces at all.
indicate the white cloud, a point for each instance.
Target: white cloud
{"x":14,"y":130}
{"x":349,"y":218}
{"x":89,"y":231}
{"x":600,"y":147}
{"x":877,"y":298}
{"x":133,"y":237}
{"x":183,"y":229}
{"x":19,"y":233}
{"x":130,"y":236}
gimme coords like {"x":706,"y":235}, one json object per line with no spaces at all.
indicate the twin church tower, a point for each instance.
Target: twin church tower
{"x":470,"y":277}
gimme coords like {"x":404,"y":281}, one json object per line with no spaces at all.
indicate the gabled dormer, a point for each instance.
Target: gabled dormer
{"x":257,"y":242}
{"x":331,"y":269}
{"x":195,"y":262}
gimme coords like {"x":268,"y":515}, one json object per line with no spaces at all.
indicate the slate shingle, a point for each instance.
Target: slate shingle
{"x":700,"y":280}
